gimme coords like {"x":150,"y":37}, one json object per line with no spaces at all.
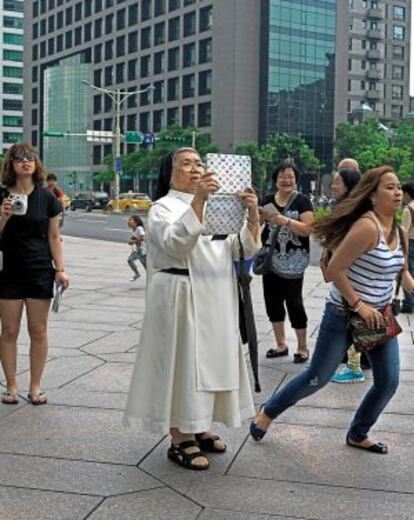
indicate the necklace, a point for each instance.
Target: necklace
{"x":387,"y":235}
{"x":280,"y":202}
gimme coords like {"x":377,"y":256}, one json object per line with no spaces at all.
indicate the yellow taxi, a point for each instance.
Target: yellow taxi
{"x":131,"y":202}
{"x":66,"y":202}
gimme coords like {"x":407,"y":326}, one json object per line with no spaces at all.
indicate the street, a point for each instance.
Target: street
{"x":97,"y":225}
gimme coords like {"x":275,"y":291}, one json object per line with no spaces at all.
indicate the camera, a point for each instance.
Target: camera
{"x":19,"y":203}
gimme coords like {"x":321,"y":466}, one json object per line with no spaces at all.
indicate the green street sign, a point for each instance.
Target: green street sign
{"x":133,"y":137}
{"x":52,"y":133}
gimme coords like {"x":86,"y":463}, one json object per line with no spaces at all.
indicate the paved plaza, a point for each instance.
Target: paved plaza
{"x":73,"y":460}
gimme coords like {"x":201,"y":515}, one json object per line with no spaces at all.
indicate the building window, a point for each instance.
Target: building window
{"x":97,"y":104}
{"x":188,"y":116}
{"x":189,"y":55}
{"x":159,"y":7}
{"x":35,"y":31}
{"x":145,"y":66}
{"x":120,"y":72}
{"x":205,"y":51}
{"x":78,"y":12}
{"x":12,"y":22}
{"x":173,"y":58}
{"x":158,"y":92}
{"x":88,"y":8}
{"x":97,"y":154}
{"x":146,"y":38}
{"x":132,"y":70}
{"x":144,"y":96}
{"x":9,"y":55}
{"x":108,"y":76}
{"x":397,"y":72}
{"x":12,"y":137}
{"x":51,"y":46}
{"x":12,"y":88}
{"x":133,"y":14}
{"x":159,"y":33}
{"x":13,"y":121}
{"x":120,"y":46}
{"x":173,"y":89}
{"x":69,"y":17}
{"x":108,"y":49}
{"x":398,"y":12}
{"x":189,"y":24}
{"x":87,"y":37}
{"x":97,"y":77}
{"x":159,"y":61}
{"x":173,"y":5}
{"x":108,"y":23}
{"x":144,"y":122}
{"x":145,"y":10}
{"x":107,"y":104}
{"x":68,"y":40}
{"x":78,"y":35}
{"x":98,"y":28}
{"x":12,"y":72}
{"x":120,"y":19}
{"x":13,"y":39}
{"x":204,"y":114}
{"x":59,"y":20}
{"x":188,"y":85}
{"x":397,"y":111}
{"x":173,"y":29}
{"x":59,"y":43}
{"x":204,"y":83}
{"x":189,"y":2}
{"x":397,"y":52}
{"x":158,"y":120}
{"x":397,"y":92}
{"x":398,"y":32}
{"x":206,"y":19}
{"x":133,"y":42}
{"x":98,"y":6}
{"x":15,"y":105}
{"x":173,"y":117}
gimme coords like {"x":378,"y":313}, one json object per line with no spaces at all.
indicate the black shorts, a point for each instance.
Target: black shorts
{"x":38,"y":286}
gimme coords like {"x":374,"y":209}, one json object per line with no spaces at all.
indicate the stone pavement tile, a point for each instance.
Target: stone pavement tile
{"x":74,"y":433}
{"x":311,"y":454}
{"x":122,"y":357}
{"x":112,"y":377}
{"x":61,"y":371}
{"x":67,"y":337}
{"x":156,"y":504}
{"x":83,"y":478}
{"x":60,"y":352}
{"x":74,"y":395}
{"x":329,"y":418}
{"x":113,"y":343}
{"x":100,"y":327}
{"x":124,"y":302}
{"x":94,"y":316}
{"x":293,"y":499}
{"x":25,"y":504}
{"x":221,"y":514}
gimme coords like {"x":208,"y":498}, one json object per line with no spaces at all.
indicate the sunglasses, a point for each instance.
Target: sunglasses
{"x":24,"y":156}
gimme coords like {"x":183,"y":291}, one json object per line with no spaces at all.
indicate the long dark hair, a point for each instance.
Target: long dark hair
{"x":8,"y":175}
{"x":331,"y":230}
{"x":350,"y":178}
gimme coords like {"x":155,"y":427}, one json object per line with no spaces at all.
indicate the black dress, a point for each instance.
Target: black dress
{"x":27,"y":260}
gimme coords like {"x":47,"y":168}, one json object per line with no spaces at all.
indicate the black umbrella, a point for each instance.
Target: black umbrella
{"x":246,"y":316}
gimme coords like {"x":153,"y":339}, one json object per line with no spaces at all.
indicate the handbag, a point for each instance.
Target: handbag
{"x":262,"y":263}
{"x":365,"y":338}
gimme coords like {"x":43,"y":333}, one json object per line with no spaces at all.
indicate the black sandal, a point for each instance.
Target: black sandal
{"x":301,"y":357}
{"x":377,"y":447}
{"x":178,"y":454}
{"x":208,"y":444}
{"x":272,"y":353}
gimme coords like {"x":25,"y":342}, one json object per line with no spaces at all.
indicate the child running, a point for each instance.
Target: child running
{"x":137,"y":240}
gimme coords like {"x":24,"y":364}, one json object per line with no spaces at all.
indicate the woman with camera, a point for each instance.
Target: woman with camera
{"x":368,"y":254}
{"x":32,"y":264}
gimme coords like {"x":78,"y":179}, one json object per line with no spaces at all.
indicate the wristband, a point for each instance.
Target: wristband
{"x":354,"y":305}
{"x":288,"y":222}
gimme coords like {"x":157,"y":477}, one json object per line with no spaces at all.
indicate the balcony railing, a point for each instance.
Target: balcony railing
{"x":375,"y":34}
{"x":373,"y":95}
{"x":376,"y":13}
{"x":374,"y":54}
{"x":374,"y":74}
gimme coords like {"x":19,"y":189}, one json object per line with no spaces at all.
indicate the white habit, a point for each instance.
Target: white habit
{"x":190,"y":368}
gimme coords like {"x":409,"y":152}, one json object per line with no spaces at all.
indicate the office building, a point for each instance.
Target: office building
{"x":239,"y":69}
{"x":11,"y":73}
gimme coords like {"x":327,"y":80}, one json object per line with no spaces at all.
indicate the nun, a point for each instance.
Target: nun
{"x":190,"y":369}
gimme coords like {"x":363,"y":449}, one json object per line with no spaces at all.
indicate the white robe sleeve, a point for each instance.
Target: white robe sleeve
{"x":250,"y":245}
{"x":176,"y":238}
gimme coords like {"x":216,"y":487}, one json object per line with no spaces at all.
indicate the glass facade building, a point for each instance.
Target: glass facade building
{"x":68,"y":108}
{"x":298,"y":72}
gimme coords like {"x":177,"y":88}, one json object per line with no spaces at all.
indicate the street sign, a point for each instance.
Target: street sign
{"x":149,"y":138}
{"x":53,"y":133}
{"x":133,"y":137}
{"x":99,"y":136}
{"x":118,"y":165}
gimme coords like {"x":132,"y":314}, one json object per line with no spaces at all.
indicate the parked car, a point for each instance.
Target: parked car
{"x":131,"y":202}
{"x":90,"y":200}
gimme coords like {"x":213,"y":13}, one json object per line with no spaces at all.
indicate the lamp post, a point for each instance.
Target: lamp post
{"x":118,"y":97}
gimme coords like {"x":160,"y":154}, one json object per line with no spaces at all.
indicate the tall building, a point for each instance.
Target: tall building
{"x":379,"y":57}
{"x":11,"y":73}
{"x":240,"y":69}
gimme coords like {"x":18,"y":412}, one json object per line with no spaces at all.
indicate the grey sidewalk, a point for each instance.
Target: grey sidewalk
{"x":72,"y":460}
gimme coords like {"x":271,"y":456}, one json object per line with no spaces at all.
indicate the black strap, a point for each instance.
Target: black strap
{"x":176,"y":270}
{"x":277,"y":230}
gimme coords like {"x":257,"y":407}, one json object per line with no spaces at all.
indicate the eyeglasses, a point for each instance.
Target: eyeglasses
{"x":24,"y":156}
{"x":189,"y":165}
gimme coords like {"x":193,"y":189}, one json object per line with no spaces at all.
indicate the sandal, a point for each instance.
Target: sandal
{"x":377,"y":447}
{"x":178,"y":453}
{"x":256,"y":432}
{"x":272,"y":353}
{"x":37,"y":398}
{"x":209,"y":444}
{"x":10,"y":397}
{"x":301,"y":357}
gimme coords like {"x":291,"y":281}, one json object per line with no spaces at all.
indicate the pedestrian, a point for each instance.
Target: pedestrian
{"x":287,"y":213}
{"x":367,"y":256}
{"x":51,"y":180}
{"x":32,"y":264}
{"x":190,"y":369}
{"x":137,"y":241}
{"x":408,"y":225}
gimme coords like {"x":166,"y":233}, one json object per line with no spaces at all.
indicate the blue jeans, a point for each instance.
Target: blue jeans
{"x":409,"y":297}
{"x":332,"y":343}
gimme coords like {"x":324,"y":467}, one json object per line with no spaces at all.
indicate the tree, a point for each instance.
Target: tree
{"x":278,"y":148}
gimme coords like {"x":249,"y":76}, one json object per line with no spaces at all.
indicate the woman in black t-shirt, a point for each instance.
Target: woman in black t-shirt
{"x":32,"y":263}
{"x":287,"y":214}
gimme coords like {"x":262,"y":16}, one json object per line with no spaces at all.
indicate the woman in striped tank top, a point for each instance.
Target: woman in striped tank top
{"x":362,"y":232}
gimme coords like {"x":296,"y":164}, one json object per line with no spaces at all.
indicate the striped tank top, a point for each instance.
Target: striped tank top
{"x":373,"y":274}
